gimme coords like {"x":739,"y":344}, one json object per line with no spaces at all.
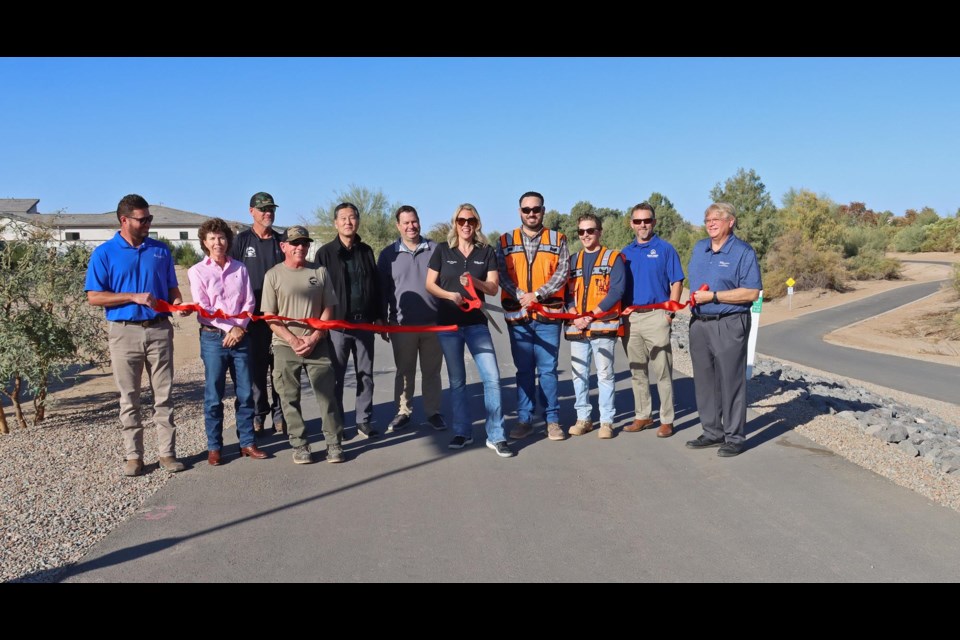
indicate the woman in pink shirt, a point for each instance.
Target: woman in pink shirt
{"x":217,"y":282}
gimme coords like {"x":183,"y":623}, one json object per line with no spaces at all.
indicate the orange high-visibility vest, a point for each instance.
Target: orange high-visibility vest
{"x":588,"y":294}
{"x":530,"y":276}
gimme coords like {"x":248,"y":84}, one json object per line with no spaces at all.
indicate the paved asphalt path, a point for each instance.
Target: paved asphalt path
{"x":801,"y":340}
{"x":634,"y":508}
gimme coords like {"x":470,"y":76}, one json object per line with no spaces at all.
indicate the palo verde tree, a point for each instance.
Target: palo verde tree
{"x":48,"y":325}
{"x":377,"y":225}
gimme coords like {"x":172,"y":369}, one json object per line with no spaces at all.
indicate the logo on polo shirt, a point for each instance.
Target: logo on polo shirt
{"x":452,"y":261}
{"x":314,"y":282}
{"x":652,"y":254}
{"x":479,"y":262}
{"x":724,"y":263}
{"x":251,"y":252}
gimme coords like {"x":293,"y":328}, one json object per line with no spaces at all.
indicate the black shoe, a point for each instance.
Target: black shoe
{"x":703,"y":442}
{"x":436,"y":421}
{"x":365,"y":430}
{"x":729,"y":450}
{"x":501,"y":448}
{"x":459,"y":442}
{"x":400,"y":421}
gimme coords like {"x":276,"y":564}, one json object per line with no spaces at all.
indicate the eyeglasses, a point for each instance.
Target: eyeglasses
{"x":532,"y":209}
{"x":267,"y":209}
{"x":639,"y":221}
{"x":591,"y":231}
{"x":143,"y":220}
{"x":712,"y":220}
{"x":300,"y":242}
{"x":467,"y":221}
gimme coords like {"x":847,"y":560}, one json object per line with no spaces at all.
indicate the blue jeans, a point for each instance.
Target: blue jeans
{"x":536,"y":346}
{"x":477,"y":338}
{"x":217,"y":360}
{"x":601,"y":351}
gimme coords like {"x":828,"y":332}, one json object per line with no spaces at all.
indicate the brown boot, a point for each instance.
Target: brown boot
{"x":581,"y":427}
{"x":133,"y":467}
{"x":639,"y":424}
{"x":171,"y":464}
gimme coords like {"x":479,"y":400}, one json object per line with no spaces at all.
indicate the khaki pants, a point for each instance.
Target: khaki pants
{"x":406,"y":347}
{"x":132,"y":348}
{"x":647,"y":343}
{"x":286,"y":380}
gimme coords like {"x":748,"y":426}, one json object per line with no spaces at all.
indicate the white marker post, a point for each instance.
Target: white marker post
{"x":790,"y":283}
{"x":754,"y":327}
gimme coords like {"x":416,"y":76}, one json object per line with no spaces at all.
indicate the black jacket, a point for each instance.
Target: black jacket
{"x":330,"y":256}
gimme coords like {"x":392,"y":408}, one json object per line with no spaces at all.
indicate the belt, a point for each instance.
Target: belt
{"x":716,"y":316}
{"x":206,"y":327}
{"x":142,"y":323}
{"x":644,"y":310}
{"x":355,"y":317}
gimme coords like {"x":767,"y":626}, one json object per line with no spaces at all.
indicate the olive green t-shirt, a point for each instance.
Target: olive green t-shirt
{"x":297,"y":293}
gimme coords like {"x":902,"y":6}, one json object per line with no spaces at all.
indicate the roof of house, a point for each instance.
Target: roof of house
{"x":162,"y":217}
{"x":17,"y":205}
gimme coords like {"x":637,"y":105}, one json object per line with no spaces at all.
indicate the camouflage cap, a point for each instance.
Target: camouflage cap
{"x":295,"y":232}
{"x":262,"y":199}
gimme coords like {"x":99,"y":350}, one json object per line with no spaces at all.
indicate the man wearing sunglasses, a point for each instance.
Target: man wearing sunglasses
{"x":299,"y":289}
{"x":258,"y":249}
{"x":126,"y":275}
{"x":533,"y":263}
{"x":596,"y":285}
{"x":657,"y":276}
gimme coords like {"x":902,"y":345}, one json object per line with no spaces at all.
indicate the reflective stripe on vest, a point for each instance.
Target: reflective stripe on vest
{"x":586,"y":298}
{"x":527,"y":275}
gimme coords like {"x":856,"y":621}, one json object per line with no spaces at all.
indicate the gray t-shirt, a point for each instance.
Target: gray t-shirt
{"x":297,"y":293}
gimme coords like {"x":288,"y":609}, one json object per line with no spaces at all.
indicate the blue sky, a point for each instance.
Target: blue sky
{"x":205,"y":134}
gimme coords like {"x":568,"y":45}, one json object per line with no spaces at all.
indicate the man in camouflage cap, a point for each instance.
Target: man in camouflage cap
{"x":258,"y":248}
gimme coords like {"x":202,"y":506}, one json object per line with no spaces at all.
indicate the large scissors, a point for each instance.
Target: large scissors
{"x":474,"y":302}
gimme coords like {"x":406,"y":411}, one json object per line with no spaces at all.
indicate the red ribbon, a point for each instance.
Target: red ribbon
{"x":669,"y":305}
{"x":315,"y":323}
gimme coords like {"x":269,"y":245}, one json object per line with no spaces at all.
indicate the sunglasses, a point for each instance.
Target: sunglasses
{"x":467,"y":221}
{"x":532,"y":209}
{"x":143,"y":220}
{"x":639,"y":221}
{"x":591,"y":231}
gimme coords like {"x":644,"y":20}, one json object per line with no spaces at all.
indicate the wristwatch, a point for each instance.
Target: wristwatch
{"x":672,"y":314}
{"x":715,"y":301}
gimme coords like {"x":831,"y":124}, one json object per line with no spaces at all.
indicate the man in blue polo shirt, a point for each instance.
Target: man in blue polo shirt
{"x":720,"y":328}
{"x":126,"y":275}
{"x":657,"y":276}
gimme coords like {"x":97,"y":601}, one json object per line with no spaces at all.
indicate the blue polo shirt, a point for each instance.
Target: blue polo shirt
{"x":652,"y":266}
{"x":118,"y":267}
{"x":732,"y":267}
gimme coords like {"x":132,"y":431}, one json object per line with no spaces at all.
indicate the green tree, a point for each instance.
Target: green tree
{"x":669,"y":219}
{"x":439,"y":232}
{"x":48,"y":325}
{"x":377,"y":226}
{"x":816,"y":218}
{"x":758,"y":221}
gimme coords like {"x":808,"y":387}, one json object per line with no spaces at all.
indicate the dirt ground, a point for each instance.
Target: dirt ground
{"x":908,"y":331}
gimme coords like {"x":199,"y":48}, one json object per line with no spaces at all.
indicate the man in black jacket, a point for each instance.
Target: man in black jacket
{"x":353,"y":272}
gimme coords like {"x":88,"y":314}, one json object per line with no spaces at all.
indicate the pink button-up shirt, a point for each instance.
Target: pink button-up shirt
{"x":227,"y":289}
